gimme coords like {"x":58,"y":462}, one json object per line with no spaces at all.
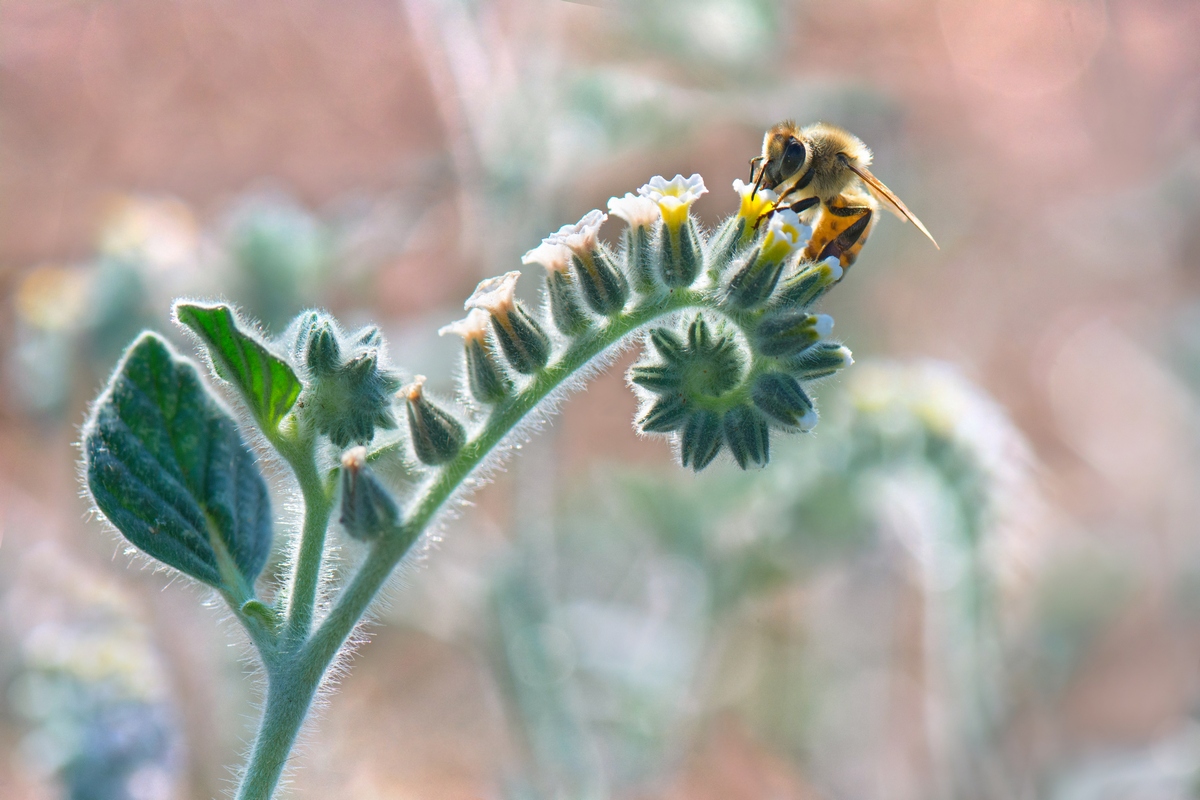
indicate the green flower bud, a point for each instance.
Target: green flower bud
{"x":347,"y":394}
{"x":791,"y":332}
{"x":747,"y":436}
{"x":368,"y":510}
{"x":682,"y":258}
{"x":521,"y":338}
{"x":752,"y":280}
{"x":485,"y":379}
{"x":803,"y":288}
{"x":700,"y":440}
{"x":570,"y":319}
{"x":724,"y":245}
{"x":781,"y":398}
{"x":603,"y":286}
{"x":821,"y":360}
{"x":666,"y":414}
{"x":436,"y":435}
{"x":642,"y":215}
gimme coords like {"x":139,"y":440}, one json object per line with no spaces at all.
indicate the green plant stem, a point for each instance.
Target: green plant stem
{"x":291,"y":689}
{"x":317,"y":508}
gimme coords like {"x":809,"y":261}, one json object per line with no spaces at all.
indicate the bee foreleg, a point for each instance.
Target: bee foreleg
{"x":754,"y":163}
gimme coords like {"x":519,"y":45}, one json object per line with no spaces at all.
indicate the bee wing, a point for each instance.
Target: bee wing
{"x":889,"y":199}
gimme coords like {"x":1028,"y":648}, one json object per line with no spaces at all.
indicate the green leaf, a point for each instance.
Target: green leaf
{"x":167,"y":466}
{"x":266,"y":382}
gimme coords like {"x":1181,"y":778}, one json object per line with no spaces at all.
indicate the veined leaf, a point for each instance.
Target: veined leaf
{"x":167,"y":466}
{"x":266,"y":382}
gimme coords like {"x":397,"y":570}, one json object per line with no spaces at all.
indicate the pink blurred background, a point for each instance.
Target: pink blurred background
{"x":1052,"y":147}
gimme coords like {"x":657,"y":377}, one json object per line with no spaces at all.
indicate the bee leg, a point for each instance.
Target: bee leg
{"x":754,"y":163}
{"x":800,"y":206}
{"x":840,"y":230}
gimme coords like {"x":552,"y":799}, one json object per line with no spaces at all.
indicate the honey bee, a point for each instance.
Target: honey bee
{"x":820,"y":171}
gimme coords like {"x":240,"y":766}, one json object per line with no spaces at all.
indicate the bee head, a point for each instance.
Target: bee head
{"x":784,"y":154}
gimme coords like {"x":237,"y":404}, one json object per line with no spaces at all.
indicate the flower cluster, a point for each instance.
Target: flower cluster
{"x":731,"y":365}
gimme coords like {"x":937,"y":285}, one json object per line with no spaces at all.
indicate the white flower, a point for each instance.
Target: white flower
{"x":583,"y":236}
{"x":674,"y":197}
{"x":785,"y":235}
{"x":754,"y":203}
{"x":473,"y":326}
{"x":637,"y":211}
{"x":823,"y":325}
{"x":495,"y":295}
{"x":551,"y":254}
{"x":834,"y":266}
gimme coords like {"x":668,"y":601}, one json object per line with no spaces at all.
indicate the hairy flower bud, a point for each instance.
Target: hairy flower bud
{"x":781,"y":398}
{"x":747,"y":436}
{"x":561,"y":291}
{"x":603,"y":286}
{"x":753,"y":281}
{"x":485,"y":379}
{"x":347,"y":393}
{"x":801,"y":289}
{"x":700,"y":440}
{"x":642,"y":215}
{"x":436,"y":435}
{"x":368,"y":510}
{"x":821,"y":360}
{"x":789,"y":333}
{"x":525,"y":344}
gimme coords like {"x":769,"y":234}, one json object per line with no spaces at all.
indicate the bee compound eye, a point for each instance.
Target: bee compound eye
{"x":793,"y":157}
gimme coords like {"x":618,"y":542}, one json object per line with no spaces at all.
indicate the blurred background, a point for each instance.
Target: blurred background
{"x":980,"y":578}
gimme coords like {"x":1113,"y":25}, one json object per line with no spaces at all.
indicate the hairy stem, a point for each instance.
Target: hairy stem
{"x":290,"y":690}
{"x":317,"y":508}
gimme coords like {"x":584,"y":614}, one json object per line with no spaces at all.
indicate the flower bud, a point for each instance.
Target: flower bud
{"x":436,"y":435}
{"x":789,"y":333}
{"x":525,"y":344}
{"x":747,"y":436}
{"x":323,"y":354}
{"x":642,"y":214}
{"x":754,"y":280}
{"x":682,"y":258}
{"x":568,"y":317}
{"x":603,"y":286}
{"x":780,"y":397}
{"x":666,"y":414}
{"x":347,"y":394}
{"x":801,"y":289}
{"x":821,"y":360}
{"x":485,"y":379}
{"x":368,"y":510}
{"x":700,"y":440}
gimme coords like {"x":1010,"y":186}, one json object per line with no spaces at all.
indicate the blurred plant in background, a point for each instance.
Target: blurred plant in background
{"x":660,"y":607}
{"x":87,"y":681}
